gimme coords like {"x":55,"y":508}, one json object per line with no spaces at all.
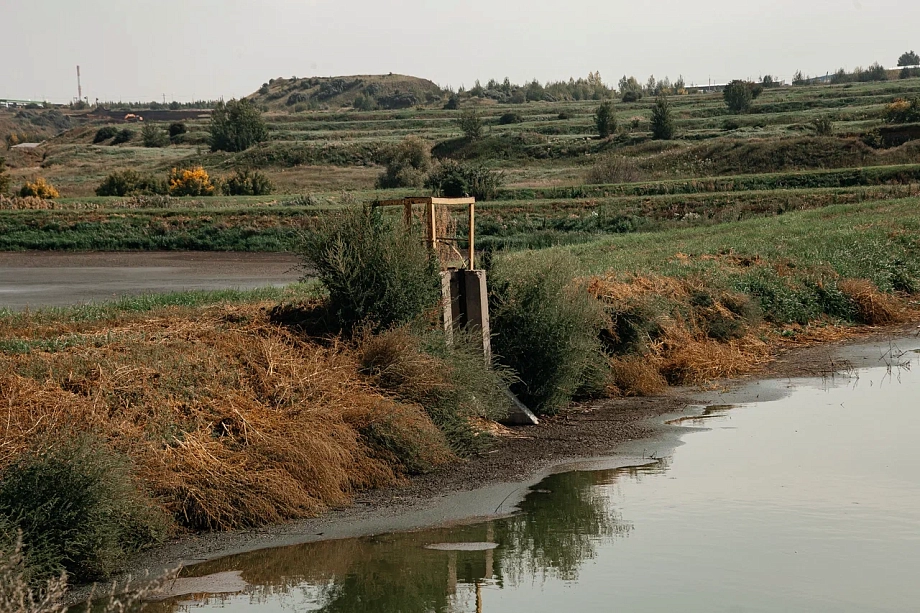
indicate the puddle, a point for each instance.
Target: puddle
{"x":806,"y":503}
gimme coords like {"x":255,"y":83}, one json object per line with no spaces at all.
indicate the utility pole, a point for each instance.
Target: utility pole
{"x":79,"y":86}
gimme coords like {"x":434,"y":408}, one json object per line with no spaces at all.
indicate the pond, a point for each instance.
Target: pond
{"x":806,"y":499}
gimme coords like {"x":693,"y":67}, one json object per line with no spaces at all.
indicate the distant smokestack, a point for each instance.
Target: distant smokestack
{"x":79,"y":86}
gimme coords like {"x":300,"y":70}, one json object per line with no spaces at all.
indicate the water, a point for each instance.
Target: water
{"x":807,"y":503}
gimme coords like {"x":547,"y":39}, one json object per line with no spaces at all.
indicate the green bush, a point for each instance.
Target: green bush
{"x":605,"y":119}
{"x":78,"y":510}
{"x":546,"y":328}
{"x":131,"y":183}
{"x":236,"y":126}
{"x":455,"y":180}
{"x":376,"y":271}
{"x":177,"y":129}
{"x":104,"y":133}
{"x":662,"y":119}
{"x":510,"y":118}
{"x":407,"y":164}
{"x":823,"y":126}
{"x":124,"y":135}
{"x":739,"y":95}
{"x":154,"y":137}
{"x":248,"y":183}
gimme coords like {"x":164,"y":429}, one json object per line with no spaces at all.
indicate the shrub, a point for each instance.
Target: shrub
{"x":823,"y":126}
{"x":510,"y":118}
{"x":177,"y":129}
{"x":5,"y":179}
{"x":455,"y":180}
{"x":903,"y":111}
{"x":662,"y":119}
{"x":605,"y":119}
{"x":130,"y":183}
{"x":632,"y":95}
{"x":190,"y":182}
{"x":564,"y":115}
{"x":39,"y":188}
{"x":470,"y":123}
{"x":613,"y":169}
{"x":545,"y":327}
{"x":153,"y":136}
{"x":78,"y":509}
{"x":407,"y":164}
{"x":104,"y":133}
{"x":297,"y":98}
{"x":248,"y":183}
{"x":739,"y":95}
{"x":236,"y":126}
{"x":376,"y":271}
{"x":124,"y":135}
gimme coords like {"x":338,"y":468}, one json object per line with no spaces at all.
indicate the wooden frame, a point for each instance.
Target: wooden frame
{"x":431,"y":229}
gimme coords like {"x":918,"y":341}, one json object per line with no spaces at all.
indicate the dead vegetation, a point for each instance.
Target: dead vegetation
{"x":669,"y":331}
{"x":230,"y":421}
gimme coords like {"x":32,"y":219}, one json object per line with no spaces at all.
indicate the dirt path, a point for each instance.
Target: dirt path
{"x":39,"y":279}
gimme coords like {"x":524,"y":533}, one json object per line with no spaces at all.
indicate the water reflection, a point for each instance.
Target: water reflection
{"x":806,"y":502}
{"x":560,"y":526}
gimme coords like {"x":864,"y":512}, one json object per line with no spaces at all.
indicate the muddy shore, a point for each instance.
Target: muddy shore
{"x":613,"y":432}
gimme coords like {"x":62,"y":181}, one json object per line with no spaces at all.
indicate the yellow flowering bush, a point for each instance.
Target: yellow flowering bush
{"x":190,"y":182}
{"x":39,"y":188}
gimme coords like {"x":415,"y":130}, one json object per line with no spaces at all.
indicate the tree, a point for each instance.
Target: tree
{"x":471,"y":124}
{"x":154,"y":136}
{"x":630,"y":89}
{"x":662,"y":119}
{"x":605,"y":119}
{"x":909,"y":58}
{"x":236,"y":126}
{"x":739,"y":95}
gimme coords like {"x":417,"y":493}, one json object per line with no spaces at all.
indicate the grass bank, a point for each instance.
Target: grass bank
{"x":228,"y":410}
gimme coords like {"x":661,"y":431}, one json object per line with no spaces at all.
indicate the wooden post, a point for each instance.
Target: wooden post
{"x":472,"y":236}
{"x":407,"y":215}
{"x":432,"y":227}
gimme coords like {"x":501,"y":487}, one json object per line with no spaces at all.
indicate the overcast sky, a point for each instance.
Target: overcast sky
{"x":205,"y":49}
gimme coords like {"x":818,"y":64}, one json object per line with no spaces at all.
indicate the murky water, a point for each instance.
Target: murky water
{"x":808,"y":503}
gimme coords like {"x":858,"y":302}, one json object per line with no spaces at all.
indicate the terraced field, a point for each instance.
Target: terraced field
{"x":561,"y":184}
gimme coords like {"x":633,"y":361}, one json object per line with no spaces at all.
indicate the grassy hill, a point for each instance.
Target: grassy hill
{"x":370,"y":91}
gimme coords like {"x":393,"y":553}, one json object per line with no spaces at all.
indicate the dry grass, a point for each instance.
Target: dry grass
{"x":874,"y":307}
{"x":229,"y":420}
{"x":680,"y":347}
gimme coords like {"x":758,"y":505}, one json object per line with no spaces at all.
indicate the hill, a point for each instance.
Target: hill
{"x":367,"y":92}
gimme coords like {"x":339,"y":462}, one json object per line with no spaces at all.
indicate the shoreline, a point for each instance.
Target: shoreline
{"x":609,"y":433}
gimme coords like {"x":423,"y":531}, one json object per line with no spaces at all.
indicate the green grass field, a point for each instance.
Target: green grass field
{"x":719,"y":167}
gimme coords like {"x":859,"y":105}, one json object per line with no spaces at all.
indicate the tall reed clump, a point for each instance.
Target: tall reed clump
{"x":377,"y":272}
{"x":546,"y":328}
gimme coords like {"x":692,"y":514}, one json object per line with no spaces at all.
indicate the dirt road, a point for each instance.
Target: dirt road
{"x":39,"y":279}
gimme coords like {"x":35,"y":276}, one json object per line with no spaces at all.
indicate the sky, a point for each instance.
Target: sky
{"x":207,"y":49}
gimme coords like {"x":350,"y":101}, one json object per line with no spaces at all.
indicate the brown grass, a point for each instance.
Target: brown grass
{"x":229,"y":420}
{"x":875,"y":308}
{"x":682,"y":350}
